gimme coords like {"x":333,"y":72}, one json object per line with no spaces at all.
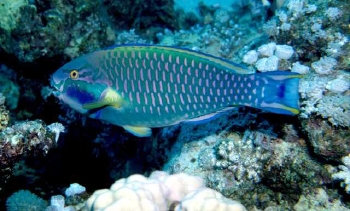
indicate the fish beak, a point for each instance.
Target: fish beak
{"x":52,"y":82}
{"x":56,"y":84}
{"x":54,"y":88}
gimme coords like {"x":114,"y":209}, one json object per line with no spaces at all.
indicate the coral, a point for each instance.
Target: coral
{"x":267,"y":50}
{"x":318,"y":200}
{"x":296,"y":7}
{"x":56,"y":128}
{"x":76,"y":202}
{"x":127,"y":37}
{"x":74,"y":189}
{"x":140,"y":15}
{"x":324,"y":66}
{"x":24,"y":200}
{"x":150,"y":191}
{"x":334,"y":106}
{"x":271,"y":57}
{"x":267,"y":64}
{"x":158,"y":192}
{"x":250,"y":57}
{"x":284,"y":51}
{"x":2,"y":99}
{"x":57,"y":204}
{"x":206,"y":199}
{"x":4,"y":113}
{"x":10,"y":90}
{"x":327,"y":142}
{"x":333,"y":13}
{"x":40,"y":29}
{"x":299,"y":68}
{"x":293,"y":176}
{"x":228,"y":161}
{"x":240,"y":156}
{"x":344,"y":173}
{"x":270,"y":28}
{"x":220,"y":36}
{"x":235,"y":158}
{"x":338,"y":85}
{"x":10,"y":13}
{"x":316,"y":30}
{"x":22,"y":140}
{"x":323,"y":90}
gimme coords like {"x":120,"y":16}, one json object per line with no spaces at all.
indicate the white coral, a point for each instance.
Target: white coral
{"x":158,"y":192}
{"x":344,"y":173}
{"x":267,"y":49}
{"x":299,"y":68}
{"x":338,"y":85}
{"x":333,"y":13}
{"x":325,"y":65}
{"x":267,"y":64}
{"x":284,"y":51}
{"x":56,"y":128}
{"x":74,"y":189}
{"x":250,"y":57}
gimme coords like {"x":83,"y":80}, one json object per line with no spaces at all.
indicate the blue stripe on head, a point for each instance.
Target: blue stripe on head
{"x":81,"y":96}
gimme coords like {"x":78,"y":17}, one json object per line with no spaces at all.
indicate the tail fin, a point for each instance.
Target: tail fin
{"x":281,"y":93}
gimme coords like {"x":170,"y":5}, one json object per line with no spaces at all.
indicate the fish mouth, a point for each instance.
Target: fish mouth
{"x":55,"y":89}
{"x":56,"y":84}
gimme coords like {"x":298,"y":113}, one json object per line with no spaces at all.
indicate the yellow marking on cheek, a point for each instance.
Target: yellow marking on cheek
{"x":109,"y":98}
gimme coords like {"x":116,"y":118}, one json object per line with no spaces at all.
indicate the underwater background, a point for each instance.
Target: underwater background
{"x":261,"y":160}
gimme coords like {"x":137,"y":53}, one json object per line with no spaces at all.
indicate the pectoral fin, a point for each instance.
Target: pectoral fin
{"x":138,"y":131}
{"x":108,"y":98}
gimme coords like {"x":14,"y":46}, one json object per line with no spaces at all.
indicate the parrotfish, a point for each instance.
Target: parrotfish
{"x":140,"y":87}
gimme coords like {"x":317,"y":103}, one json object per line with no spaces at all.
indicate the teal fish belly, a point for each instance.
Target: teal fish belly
{"x":163,"y":86}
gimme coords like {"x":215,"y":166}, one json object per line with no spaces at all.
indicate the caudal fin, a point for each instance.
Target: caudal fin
{"x":281,"y":93}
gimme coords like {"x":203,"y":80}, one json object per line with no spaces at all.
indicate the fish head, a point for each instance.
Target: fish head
{"x":75,"y":83}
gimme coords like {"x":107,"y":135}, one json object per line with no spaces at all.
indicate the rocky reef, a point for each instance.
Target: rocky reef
{"x":21,"y":141}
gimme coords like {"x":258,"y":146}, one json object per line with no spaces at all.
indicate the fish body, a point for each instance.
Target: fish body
{"x":143,"y":86}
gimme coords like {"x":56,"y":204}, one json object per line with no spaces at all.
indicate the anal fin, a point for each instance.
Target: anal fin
{"x":109,"y":97}
{"x":138,"y":131}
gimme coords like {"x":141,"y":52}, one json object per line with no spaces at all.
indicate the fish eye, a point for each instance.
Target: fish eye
{"x":74,"y":74}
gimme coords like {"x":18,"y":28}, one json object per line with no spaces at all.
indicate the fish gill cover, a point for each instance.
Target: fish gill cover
{"x":261,"y":159}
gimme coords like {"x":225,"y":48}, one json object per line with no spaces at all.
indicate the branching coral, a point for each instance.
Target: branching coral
{"x":56,"y":128}
{"x":24,"y":200}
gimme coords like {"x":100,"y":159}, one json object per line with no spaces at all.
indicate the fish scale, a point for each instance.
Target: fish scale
{"x":143,"y":86}
{"x":178,"y":96}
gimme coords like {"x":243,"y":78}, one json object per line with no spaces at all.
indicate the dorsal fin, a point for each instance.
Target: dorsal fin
{"x":217,"y":61}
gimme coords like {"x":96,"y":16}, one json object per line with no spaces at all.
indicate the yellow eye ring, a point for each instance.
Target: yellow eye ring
{"x":74,"y":74}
